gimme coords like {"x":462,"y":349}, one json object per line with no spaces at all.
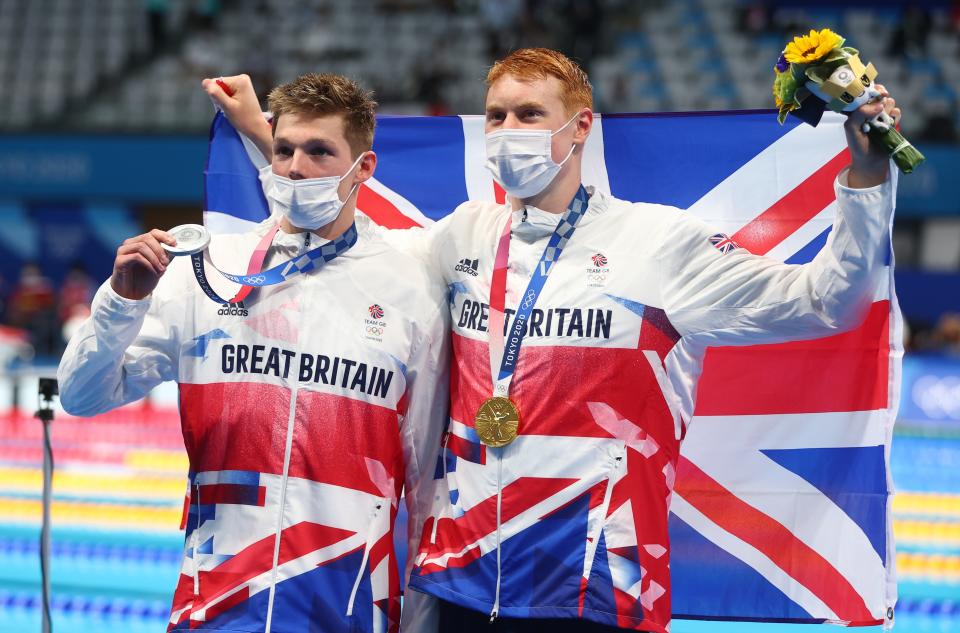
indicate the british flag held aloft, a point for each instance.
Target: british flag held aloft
{"x":780,"y":510}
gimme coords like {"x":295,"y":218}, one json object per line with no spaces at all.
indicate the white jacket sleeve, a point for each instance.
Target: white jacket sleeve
{"x":737,"y":298}
{"x":426,"y":418}
{"x":120,"y":353}
{"x":421,"y":243}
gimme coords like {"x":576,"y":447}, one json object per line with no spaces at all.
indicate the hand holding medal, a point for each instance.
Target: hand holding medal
{"x":189,"y":239}
{"x":139,"y":264}
{"x":817,"y":71}
{"x":193,"y":240}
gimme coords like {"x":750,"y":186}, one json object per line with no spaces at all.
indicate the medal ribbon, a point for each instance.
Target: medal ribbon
{"x":278,"y":274}
{"x":505,"y":350}
{"x":256,"y":262}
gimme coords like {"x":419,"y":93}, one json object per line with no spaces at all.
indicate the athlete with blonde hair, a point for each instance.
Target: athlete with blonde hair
{"x":306,"y":405}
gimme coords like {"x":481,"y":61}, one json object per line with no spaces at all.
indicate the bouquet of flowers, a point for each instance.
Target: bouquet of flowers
{"x":816,"y":72}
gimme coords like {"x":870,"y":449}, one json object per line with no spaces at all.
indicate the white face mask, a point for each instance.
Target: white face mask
{"x":521,"y":161}
{"x":308,"y":203}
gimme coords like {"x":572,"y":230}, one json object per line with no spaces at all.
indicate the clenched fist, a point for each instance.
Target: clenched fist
{"x":869,"y":162}
{"x":239,"y":102}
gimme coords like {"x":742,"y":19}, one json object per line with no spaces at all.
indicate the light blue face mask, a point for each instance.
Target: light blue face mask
{"x":521,"y":161}
{"x":308,"y":203}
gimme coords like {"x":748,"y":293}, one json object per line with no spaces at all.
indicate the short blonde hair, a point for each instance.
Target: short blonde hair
{"x":321,"y":94}
{"x":527,"y":64}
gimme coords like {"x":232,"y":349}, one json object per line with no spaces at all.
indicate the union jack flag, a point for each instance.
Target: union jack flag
{"x":780,"y":510}
{"x":723,"y":243}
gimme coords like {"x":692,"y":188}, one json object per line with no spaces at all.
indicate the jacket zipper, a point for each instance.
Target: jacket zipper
{"x":617,"y":464}
{"x":194,"y":541}
{"x":283,"y":502}
{"x":443,"y":457}
{"x":496,"y":598}
{"x":366,"y":555}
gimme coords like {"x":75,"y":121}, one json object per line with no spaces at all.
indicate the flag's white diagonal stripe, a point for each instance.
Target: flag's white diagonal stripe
{"x":478,"y":179}
{"x":218,"y":223}
{"x":797,"y":240}
{"x":403,"y":205}
{"x":771,"y":174}
{"x":594,"y":165}
{"x":803,"y":509}
{"x":801,"y":430}
{"x":752,"y":557}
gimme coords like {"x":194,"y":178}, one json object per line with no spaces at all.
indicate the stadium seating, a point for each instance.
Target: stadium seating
{"x":87,"y":65}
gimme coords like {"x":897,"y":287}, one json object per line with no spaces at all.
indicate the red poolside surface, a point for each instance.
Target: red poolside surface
{"x":104,"y":439}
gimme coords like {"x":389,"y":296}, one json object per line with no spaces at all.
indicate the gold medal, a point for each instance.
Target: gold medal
{"x":497,"y":421}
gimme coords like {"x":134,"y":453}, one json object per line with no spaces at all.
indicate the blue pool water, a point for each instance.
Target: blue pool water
{"x":123,"y":580}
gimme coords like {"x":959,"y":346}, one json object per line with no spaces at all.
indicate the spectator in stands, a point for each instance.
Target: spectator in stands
{"x":32,"y":307}
{"x":940,"y":126}
{"x":910,"y":36}
{"x":157,"y":12}
{"x":205,"y":13}
{"x":73,"y":302}
{"x":499,"y":19}
{"x":947,"y":335}
{"x":586,"y":20}
{"x":77,"y":290}
{"x":433,"y":73}
{"x":753,"y":18}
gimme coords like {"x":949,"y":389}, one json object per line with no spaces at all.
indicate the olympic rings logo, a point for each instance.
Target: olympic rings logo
{"x":529,"y":300}
{"x":253,"y":281}
{"x":376,"y":331}
{"x":938,"y":396}
{"x":597,"y":278}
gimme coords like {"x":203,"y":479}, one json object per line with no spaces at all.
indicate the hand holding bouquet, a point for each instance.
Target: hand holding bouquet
{"x":817,"y":71}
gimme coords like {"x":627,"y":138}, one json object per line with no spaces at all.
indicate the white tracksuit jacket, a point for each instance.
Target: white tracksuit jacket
{"x":304,"y":413}
{"x":570,"y":520}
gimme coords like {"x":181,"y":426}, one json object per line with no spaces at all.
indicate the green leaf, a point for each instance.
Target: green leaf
{"x":835,"y":57}
{"x":819,"y":74}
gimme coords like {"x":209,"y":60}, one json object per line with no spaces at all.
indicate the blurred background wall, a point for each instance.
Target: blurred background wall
{"x":103,"y":134}
{"x":103,"y":120}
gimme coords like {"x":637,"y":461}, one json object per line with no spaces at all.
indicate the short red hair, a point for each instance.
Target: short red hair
{"x":528,"y":64}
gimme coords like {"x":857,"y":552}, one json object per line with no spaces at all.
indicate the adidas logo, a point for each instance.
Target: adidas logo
{"x":468,"y":266}
{"x":233,"y":309}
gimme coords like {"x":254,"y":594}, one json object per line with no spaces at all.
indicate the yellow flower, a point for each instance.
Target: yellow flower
{"x":805,"y":49}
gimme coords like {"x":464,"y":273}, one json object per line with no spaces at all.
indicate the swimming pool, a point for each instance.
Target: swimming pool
{"x":118,"y":501}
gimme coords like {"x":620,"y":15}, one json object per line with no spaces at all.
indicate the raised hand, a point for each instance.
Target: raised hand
{"x":140,"y":263}
{"x":239,"y":102}
{"x":870,"y":162}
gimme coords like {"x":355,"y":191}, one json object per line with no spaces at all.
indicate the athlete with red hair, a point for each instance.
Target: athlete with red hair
{"x":570,"y":394}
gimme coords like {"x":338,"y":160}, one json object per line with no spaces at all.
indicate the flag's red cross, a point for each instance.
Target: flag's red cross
{"x":376,"y":311}
{"x":723,"y":243}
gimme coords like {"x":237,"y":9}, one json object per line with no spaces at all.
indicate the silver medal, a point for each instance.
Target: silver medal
{"x":191,"y":238}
